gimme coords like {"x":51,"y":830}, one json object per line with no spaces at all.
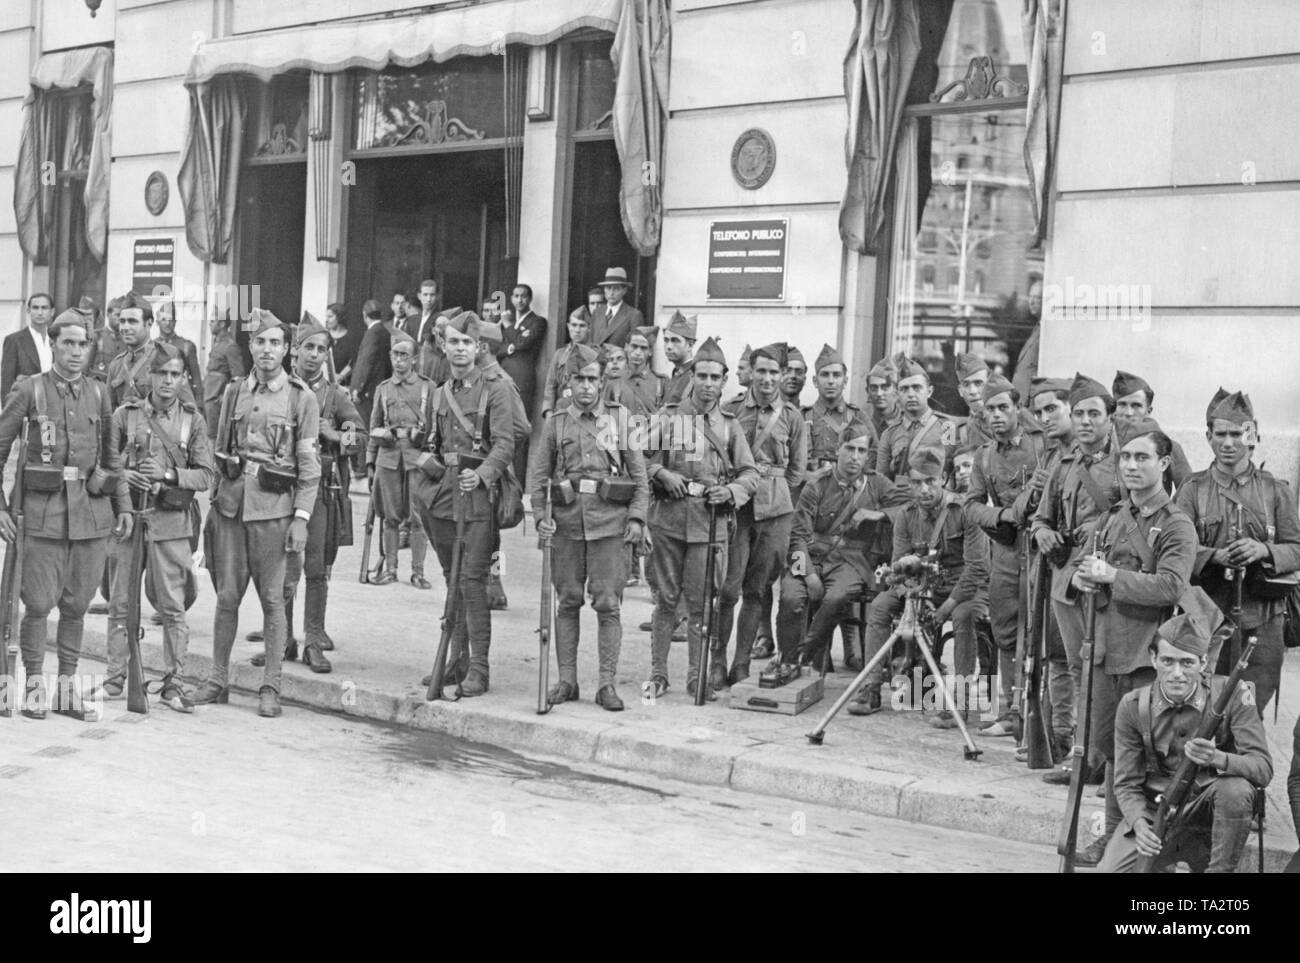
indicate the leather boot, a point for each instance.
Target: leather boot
{"x":476,"y":680}
{"x":314,"y":659}
{"x":313,"y":616}
{"x":496,"y":594}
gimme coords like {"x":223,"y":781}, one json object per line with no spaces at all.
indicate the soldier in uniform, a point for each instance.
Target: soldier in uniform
{"x":826,"y":419}
{"x":1154,"y":732}
{"x":1001,"y":471}
{"x":744,"y":373}
{"x":1144,"y":568}
{"x":471,"y":445}
{"x":679,"y":346}
{"x":599,"y":498}
{"x":556,"y":393}
{"x":935,"y":520}
{"x":1269,"y":545}
{"x":340,"y":431}
{"x":269,"y":475}
{"x":882,"y":392}
{"x":830,"y":551}
{"x":106,"y":344}
{"x":399,"y":425}
{"x":701,"y":459}
{"x":778,"y":442}
{"x":794,"y":377}
{"x":1084,"y":486}
{"x":72,"y":492}
{"x":164,"y":447}
{"x":128,"y":374}
{"x":226,"y":363}
{"x":1134,"y":400}
{"x":167,"y":335}
{"x":917,"y":426}
{"x":643,"y":387}
{"x":972,"y":376}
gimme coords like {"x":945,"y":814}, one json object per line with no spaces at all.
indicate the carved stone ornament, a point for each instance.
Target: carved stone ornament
{"x":156,"y":193}
{"x":753,"y":159}
{"x":981,"y":83}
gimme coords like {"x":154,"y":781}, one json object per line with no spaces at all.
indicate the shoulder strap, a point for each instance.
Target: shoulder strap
{"x":937,"y":532}
{"x":1099,"y":498}
{"x":1130,"y":531}
{"x":456,"y":411}
{"x":717,"y":444}
{"x":766,"y":432}
{"x":177,"y":457}
{"x":1270,"y":495}
{"x":1145,"y":722}
{"x":925,"y":426}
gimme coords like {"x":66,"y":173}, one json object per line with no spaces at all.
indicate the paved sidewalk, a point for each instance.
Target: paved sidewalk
{"x":891,"y":764}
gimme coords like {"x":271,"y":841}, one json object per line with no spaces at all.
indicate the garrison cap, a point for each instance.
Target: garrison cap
{"x":744,"y":355}
{"x":827,"y":356}
{"x":966,"y":448}
{"x":709,"y":351}
{"x":1235,"y":408}
{"x":793,"y":354}
{"x":74,"y":316}
{"x":998,"y":385}
{"x":1143,"y":426}
{"x":581,"y":356}
{"x":308,"y":327}
{"x":1214,"y":403}
{"x":969,"y":364}
{"x":133,"y":302}
{"x":926,"y":461}
{"x":679,"y":324}
{"x":884,"y":368}
{"x":1185,"y":633}
{"x":777,"y":351}
{"x":607,"y":349}
{"x":465,"y":323}
{"x":853,"y":431}
{"x":1041,"y":386}
{"x":1083,"y":388}
{"x":647,"y":333}
{"x":261,"y":320}
{"x":401,"y":337}
{"x":1126,"y":384}
{"x":163,"y":353}
{"x":907,"y":368}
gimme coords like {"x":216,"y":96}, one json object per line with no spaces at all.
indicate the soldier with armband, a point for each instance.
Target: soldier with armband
{"x":1155,"y":729}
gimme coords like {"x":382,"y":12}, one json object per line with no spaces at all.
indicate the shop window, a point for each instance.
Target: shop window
{"x":277,"y":118}
{"x":980,"y":220}
{"x":595,"y":82}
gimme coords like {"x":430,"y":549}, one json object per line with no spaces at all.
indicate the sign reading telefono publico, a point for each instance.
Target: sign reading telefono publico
{"x":153,"y":265}
{"x":747,"y":260}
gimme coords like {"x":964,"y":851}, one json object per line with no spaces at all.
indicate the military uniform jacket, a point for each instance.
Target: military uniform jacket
{"x":128,"y":376}
{"x":275,"y":422}
{"x":190,"y":354}
{"x":779,"y":449}
{"x":1209,"y":497}
{"x":405,"y":407}
{"x":134,"y":438}
{"x":556,"y":393}
{"x":487,"y":431}
{"x":578,"y":445}
{"x":225,"y":364}
{"x":823,"y":499}
{"x":678,"y":385}
{"x":103,"y":349}
{"x":1150,"y":732}
{"x":962,"y":545}
{"x":1068,"y":508}
{"x":493,"y":371}
{"x":642,"y":391}
{"x":880,"y":420}
{"x":337,"y":414}
{"x":1002,"y":470}
{"x":904,"y":436}
{"x":824,"y":425}
{"x":1147,"y":585}
{"x":80,"y":416}
{"x":681,"y":446}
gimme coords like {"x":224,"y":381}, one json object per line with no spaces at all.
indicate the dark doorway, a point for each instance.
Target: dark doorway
{"x":433,"y":215}
{"x":272,"y":231}
{"x":76,"y":273}
{"x":597,"y":240}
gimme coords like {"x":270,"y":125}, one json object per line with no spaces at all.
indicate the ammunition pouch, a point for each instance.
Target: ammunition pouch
{"x":276,"y":479}
{"x":1269,"y":588}
{"x":462,"y":460}
{"x":42,"y":478}
{"x":174,"y":499}
{"x":562,"y":492}
{"x":232,"y":466}
{"x":431,"y":466}
{"x":617,"y":491}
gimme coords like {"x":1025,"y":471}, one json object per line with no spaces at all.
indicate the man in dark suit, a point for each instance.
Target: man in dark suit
{"x":620,"y":318}
{"x":423,"y":328}
{"x":373,"y":364}
{"x":188,"y":350}
{"x":27,"y":352}
{"x":524,"y":334}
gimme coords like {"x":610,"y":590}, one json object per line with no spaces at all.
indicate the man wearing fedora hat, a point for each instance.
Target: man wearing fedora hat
{"x":619,"y":317}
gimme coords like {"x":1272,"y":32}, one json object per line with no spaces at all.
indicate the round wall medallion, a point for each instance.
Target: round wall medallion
{"x":156,"y":193}
{"x":753,"y":159}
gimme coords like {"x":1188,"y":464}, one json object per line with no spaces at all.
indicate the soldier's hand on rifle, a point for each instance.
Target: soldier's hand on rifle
{"x":125,"y":524}
{"x":634,"y":533}
{"x":152,"y":469}
{"x":545,"y":528}
{"x":1148,"y":843}
{"x":469,"y":479}
{"x":1096,"y":570}
{"x":718,"y":494}
{"x":1244,"y":551}
{"x":296,"y":538}
{"x":1048,"y":540}
{"x":7,"y":530}
{"x":1203,"y":752}
{"x":1038,"y":481}
{"x":673,"y":484}
{"x":138,"y":481}
{"x":867,"y":515}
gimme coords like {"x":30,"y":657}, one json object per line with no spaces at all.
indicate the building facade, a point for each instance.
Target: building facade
{"x":380,"y":142}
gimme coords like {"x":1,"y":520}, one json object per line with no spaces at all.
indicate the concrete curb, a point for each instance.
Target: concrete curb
{"x":696,"y":753}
